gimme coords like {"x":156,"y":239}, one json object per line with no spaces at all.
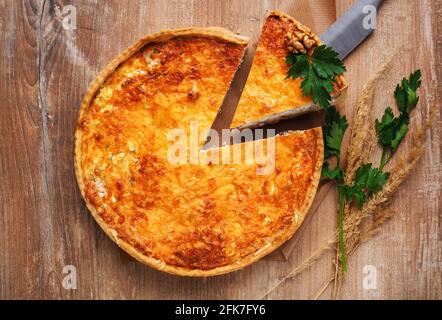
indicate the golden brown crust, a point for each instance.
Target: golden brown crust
{"x":188,"y":265}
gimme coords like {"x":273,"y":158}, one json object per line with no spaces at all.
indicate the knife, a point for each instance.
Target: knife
{"x":344,"y":36}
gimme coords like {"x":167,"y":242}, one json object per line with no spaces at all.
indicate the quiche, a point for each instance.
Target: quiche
{"x":200,"y":218}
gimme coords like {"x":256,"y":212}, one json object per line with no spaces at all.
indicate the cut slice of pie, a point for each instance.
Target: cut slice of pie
{"x":268,"y":96}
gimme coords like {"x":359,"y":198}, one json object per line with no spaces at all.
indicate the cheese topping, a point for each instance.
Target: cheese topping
{"x":195,"y":216}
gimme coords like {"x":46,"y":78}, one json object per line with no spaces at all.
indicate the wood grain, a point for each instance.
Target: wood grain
{"x":408,"y":251}
{"x":44,"y":225}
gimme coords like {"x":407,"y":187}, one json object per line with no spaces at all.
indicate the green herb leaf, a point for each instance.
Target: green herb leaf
{"x":405,"y":93}
{"x":353,"y":193}
{"x":368,"y":180}
{"x":399,"y":136}
{"x":334,"y":130}
{"x":391,"y":130}
{"x":401,"y":98}
{"x":318,"y":71}
{"x":332,"y":174}
{"x":415,"y":80}
{"x":387,"y":128}
{"x":326,"y":62}
{"x":299,"y":65}
{"x":334,"y":139}
{"x":318,"y":88}
{"x":371,"y":179}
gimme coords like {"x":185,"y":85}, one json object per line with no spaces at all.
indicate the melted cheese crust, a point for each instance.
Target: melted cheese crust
{"x":193,"y":216}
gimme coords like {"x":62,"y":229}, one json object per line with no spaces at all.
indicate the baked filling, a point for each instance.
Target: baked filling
{"x":192,"y":219}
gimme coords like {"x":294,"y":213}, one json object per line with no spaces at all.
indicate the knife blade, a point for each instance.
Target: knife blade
{"x":351,"y":29}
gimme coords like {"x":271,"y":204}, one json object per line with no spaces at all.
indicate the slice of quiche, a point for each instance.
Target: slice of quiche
{"x":192,"y":219}
{"x":268,"y":95}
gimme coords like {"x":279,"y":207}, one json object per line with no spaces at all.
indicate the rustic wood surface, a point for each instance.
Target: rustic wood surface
{"x":44,"y":224}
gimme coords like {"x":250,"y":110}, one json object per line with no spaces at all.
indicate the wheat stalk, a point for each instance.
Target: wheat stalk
{"x":362,"y":139}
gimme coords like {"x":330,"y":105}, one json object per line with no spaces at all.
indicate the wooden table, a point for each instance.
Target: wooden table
{"x":44,"y":225}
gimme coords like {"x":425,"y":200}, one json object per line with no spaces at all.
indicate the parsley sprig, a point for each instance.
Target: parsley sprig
{"x":368,"y":180}
{"x":391,"y":130}
{"x":333,"y":133}
{"x":318,"y":71}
